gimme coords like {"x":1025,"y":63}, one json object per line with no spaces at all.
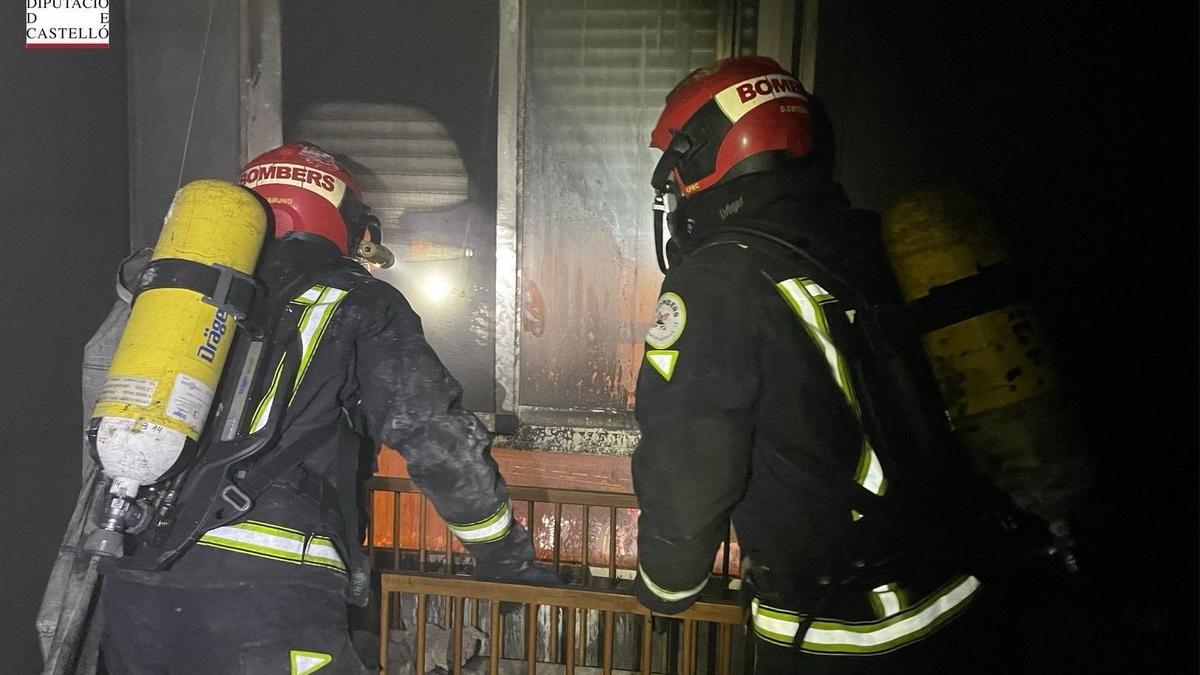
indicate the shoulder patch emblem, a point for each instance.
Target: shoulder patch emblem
{"x":670,"y":318}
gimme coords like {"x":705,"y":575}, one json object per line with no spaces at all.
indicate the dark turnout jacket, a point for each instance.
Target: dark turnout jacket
{"x":760,"y":400}
{"x":363,"y":375}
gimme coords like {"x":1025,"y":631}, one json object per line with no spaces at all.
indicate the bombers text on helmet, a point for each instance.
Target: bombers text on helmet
{"x":309,"y":191}
{"x":739,"y":116}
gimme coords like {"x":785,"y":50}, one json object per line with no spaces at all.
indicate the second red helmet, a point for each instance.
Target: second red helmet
{"x":741,"y":115}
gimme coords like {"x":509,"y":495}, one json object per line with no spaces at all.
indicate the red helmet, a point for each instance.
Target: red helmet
{"x":739,"y":116}
{"x":309,"y":191}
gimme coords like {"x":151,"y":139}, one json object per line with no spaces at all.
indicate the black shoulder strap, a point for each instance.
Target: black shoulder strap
{"x":230,"y":474}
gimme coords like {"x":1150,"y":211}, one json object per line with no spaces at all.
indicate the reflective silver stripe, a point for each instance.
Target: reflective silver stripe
{"x":870,"y":472}
{"x":260,"y":539}
{"x":283,"y":544}
{"x":825,"y":636}
{"x":669,"y":596}
{"x":887,"y":600}
{"x":312,"y":327}
{"x":776,"y":625}
{"x":813,"y":317}
{"x":321,"y":302}
{"x":310,"y":296}
{"x":263,"y":411}
{"x":321,"y":551}
{"x":491,"y":528}
{"x":805,"y":297}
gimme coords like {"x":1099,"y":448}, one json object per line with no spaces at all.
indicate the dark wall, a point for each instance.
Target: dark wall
{"x":437,"y":55}
{"x":63,"y":197}
{"x":1078,"y":125}
{"x":177,"y":80}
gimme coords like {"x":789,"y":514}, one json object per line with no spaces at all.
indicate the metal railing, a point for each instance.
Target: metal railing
{"x":591,"y":623}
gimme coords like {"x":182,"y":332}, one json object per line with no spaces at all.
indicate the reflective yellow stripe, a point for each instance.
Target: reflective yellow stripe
{"x":806,"y":298}
{"x":494,"y":527}
{"x":321,"y":302}
{"x":887,"y":600}
{"x":263,"y":411}
{"x":274,"y":542}
{"x":258,"y":539}
{"x":310,"y":296}
{"x":870,"y":472}
{"x":664,"y":594}
{"x":312,"y":328}
{"x":321,"y":551}
{"x":837,"y":637}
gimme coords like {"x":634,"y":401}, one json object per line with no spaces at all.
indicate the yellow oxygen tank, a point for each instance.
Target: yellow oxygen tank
{"x":164,"y":374}
{"x":996,"y":371}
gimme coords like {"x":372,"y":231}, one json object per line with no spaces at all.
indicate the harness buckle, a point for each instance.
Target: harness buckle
{"x":237,"y":498}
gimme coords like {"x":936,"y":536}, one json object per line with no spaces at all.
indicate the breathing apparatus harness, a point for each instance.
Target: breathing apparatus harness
{"x":991,"y":535}
{"x":235,"y":467}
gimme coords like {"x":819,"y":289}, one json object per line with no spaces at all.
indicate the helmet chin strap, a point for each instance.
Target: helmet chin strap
{"x":660,"y":179}
{"x":660,"y":212}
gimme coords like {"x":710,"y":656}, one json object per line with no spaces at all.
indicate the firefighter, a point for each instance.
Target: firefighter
{"x":770,"y":395}
{"x":267,"y":591}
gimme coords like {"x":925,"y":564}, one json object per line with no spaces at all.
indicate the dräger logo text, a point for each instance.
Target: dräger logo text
{"x":212,"y":335}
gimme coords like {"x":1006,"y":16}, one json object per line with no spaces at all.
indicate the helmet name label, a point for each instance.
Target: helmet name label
{"x":328,"y":186}
{"x":738,"y":99}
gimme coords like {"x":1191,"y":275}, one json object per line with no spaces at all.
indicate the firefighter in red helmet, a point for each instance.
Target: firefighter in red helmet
{"x":768,"y":397}
{"x":251,"y":569}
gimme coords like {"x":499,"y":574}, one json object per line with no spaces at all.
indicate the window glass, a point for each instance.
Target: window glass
{"x":597,"y":75}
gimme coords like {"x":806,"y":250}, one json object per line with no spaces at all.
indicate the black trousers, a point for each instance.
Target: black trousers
{"x":153,"y":624}
{"x":984,"y":639}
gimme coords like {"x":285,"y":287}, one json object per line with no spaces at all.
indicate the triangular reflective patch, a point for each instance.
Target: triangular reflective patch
{"x":304,"y":663}
{"x":850,"y":315}
{"x":663,"y":360}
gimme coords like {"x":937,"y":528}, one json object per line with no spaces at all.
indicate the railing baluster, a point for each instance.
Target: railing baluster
{"x":531,"y":525}
{"x":587,"y":576}
{"x":570,"y":611}
{"x":612,"y":545}
{"x":371,"y":528}
{"x":385,"y":607}
{"x":647,"y":642}
{"x":725,"y":556}
{"x":557,"y":533}
{"x":608,"y":642}
{"x":396,"y":530}
{"x":552,"y":624}
{"x":456,"y":607}
{"x":420,"y":644}
{"x":587,"y":540}
{"x":421,"y":538}
{"x":748,"y":647}
{"x":495,"y":642}
{"x":583,"y":629}
{"x":687,"y":663}
{"x":531,"y":638}
{"x":725,"y":648}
